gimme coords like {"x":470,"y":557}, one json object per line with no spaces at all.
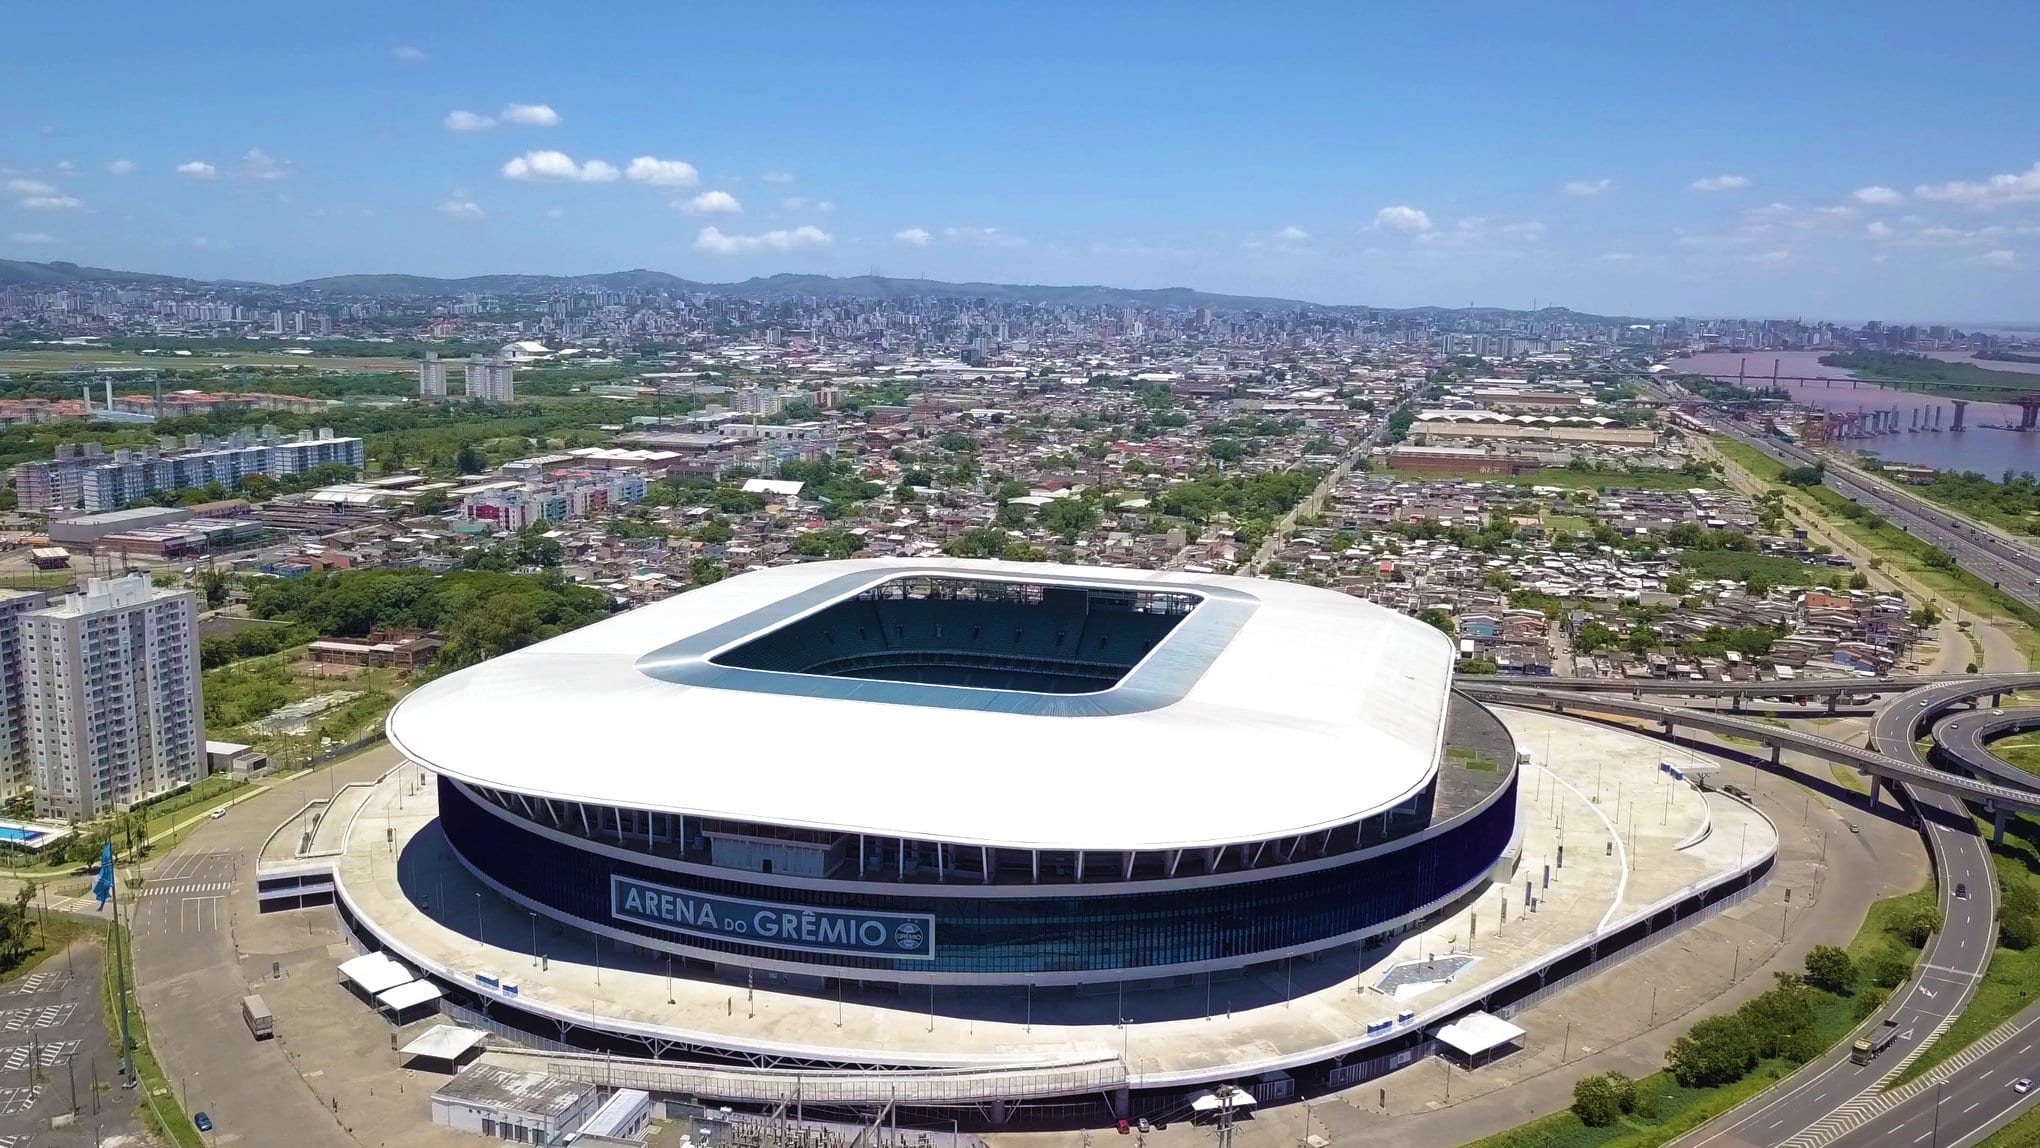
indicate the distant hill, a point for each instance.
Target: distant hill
{"x":783,"y":287}
{"x":17,"y":272}
{"x":398,"y":286}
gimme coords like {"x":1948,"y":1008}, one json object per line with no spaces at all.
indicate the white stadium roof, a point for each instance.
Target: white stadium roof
{"x":1318,"y":709}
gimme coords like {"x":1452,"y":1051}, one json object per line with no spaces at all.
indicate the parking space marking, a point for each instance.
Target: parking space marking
{"x":46,"y":1016}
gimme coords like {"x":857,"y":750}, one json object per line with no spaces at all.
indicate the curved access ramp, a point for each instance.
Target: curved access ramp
{"x":1962,"y":741}
{"x":1878,"y":765}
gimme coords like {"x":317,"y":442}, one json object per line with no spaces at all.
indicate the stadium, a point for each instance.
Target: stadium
{"x":975,"y":774}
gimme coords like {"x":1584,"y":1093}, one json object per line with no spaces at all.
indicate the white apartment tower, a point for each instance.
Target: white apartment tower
{"x":15,"y":775}
{"x":111,"y":690}
{"x":491,"y":381}
{"x":431,"y":377}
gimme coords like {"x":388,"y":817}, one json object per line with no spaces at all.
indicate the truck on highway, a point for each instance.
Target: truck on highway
{"x":1874,"y":1042}
{"x":261,"y":1022}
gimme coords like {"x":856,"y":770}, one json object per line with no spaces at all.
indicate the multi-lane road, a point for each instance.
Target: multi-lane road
{"x":1833,"y":1097}
{"x":2011,"y":566}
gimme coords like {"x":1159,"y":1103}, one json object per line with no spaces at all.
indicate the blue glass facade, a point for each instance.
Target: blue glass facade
{"x":1009,"y":938}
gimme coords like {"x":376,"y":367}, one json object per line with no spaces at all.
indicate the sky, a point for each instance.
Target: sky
{"x":1825,"y":161}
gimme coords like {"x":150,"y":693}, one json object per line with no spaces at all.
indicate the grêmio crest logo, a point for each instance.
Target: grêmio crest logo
{"x":871,"y":934}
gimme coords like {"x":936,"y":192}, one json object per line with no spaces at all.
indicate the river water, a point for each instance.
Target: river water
{"x":1984,"y":447}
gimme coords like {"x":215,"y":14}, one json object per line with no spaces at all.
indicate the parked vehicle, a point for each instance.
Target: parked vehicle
{"x":261,"y":1022}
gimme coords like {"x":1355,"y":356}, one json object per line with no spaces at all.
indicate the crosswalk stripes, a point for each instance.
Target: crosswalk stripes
{"x":47,"y":1016}
{"x":183,"y":888}
{"x":44,"y":982}
{"x":14,"y":1058}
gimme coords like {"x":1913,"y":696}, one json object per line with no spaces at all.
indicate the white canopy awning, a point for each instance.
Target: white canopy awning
{"x":411,"y":994}
{"x":443,"y":1042}
{"x":1210,"y":1101}
{"x":374,"y":973}
{"x":1477,"y":1032}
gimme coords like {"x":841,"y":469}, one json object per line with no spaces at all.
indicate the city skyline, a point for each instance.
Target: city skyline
{"x":1509,"y":159}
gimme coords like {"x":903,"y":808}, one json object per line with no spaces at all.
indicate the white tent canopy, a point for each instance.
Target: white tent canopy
{"x":411,"y":994}
{"x":1210,"y":1101}
{"x":374,"y":973}
{"x":443,"y":1042}
{"x":1478,"y":1032}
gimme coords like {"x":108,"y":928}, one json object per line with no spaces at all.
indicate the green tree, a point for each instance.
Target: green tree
{"x":468,"y":460}
{"x":715,"y":530}
{"x":1597,"y":1100}
{"x":1439,"y":620}
{"x":2018,"y":933}
{"x":1915,"y":922}
{"x":1829,"y":968}
{"x":432,"y":501}
{"x":1716,"y":1051}
{"x":706,"y":570}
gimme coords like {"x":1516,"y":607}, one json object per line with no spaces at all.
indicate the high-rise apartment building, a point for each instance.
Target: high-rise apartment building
{"x":15,"y":775}
{"x":431,"y":377}
{"x":111,"y":691}
{"x":491,"y":381}
{"x":91,"y":479}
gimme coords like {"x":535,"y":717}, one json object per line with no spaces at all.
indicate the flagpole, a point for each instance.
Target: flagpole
{"x":127,"y":1045}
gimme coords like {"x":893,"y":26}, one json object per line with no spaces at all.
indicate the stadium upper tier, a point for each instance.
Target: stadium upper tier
{"x":988,"y":704}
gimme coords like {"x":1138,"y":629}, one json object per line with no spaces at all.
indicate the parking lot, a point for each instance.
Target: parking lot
{"x":59,"y":1071}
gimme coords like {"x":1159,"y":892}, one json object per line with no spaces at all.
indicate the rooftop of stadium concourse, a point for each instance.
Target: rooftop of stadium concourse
{"x":1307,"y":708}
{"x":417,"y":895}
{"x":1479,"y":759}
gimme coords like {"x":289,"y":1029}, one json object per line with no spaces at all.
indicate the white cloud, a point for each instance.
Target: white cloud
{"x":715,"y":242}
{"x":1998,"y":258}
{"x":66,"y":167}
{"x":1617,"y":257}
{"x":121,"y":167}
{"x":1720,"y":183}
{"x":555,"y":212}
{"x":663,"y":172}
{"x":1402,"y":218}
{"x":1879,"y":230}
{"x":913,"y":236}
{"x":530,"y":115}
{"x":982,"y":237}
{"x":35,"y":195}
{"x":1480,"y":231}
{"x":1772,"y":257}
{"x":778,"y":177}
{"x":2017,"y":188}
{"x":710,"y":203}
{"x":1586,"y":188}
{"x":259,"y":164}
{"x":462,"y":120}
{"x":33,"y":237}
{"x":1876,"y":196}
{"x":198,"y":169}
{"x":459,"y":206}
{"x":1292,"y":235}
{"x":556,"y":165}
{"x":803,"y":203}
{"x":406,"y":54}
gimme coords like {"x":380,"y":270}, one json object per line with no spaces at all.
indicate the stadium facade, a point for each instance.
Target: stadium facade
{"x":976,"y":774}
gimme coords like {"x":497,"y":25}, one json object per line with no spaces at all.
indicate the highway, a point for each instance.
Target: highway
{"x":1832,"y":1097}
{"x":1893,"y":767}
{"x":2013,"y":568}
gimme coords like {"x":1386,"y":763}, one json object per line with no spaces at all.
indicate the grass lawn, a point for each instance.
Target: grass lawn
{"x":2012,"y":980}
{"x":2021,"y":1133}
{"x":1896,"y":550}
{"x":1566,"y":524}
{"x":2021,"y":749}
{"x":1682,"y":1109}
{"x":49,"y":938}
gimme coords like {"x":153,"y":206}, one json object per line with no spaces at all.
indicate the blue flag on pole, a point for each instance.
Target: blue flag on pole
{"x":103,"y":888}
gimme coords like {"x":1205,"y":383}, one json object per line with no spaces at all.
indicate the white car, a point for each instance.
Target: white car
{"x":2022,"y":1085}
{"x":218,"y":813}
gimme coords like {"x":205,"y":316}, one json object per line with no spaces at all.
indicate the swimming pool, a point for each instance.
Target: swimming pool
{"x":17,"y":833}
